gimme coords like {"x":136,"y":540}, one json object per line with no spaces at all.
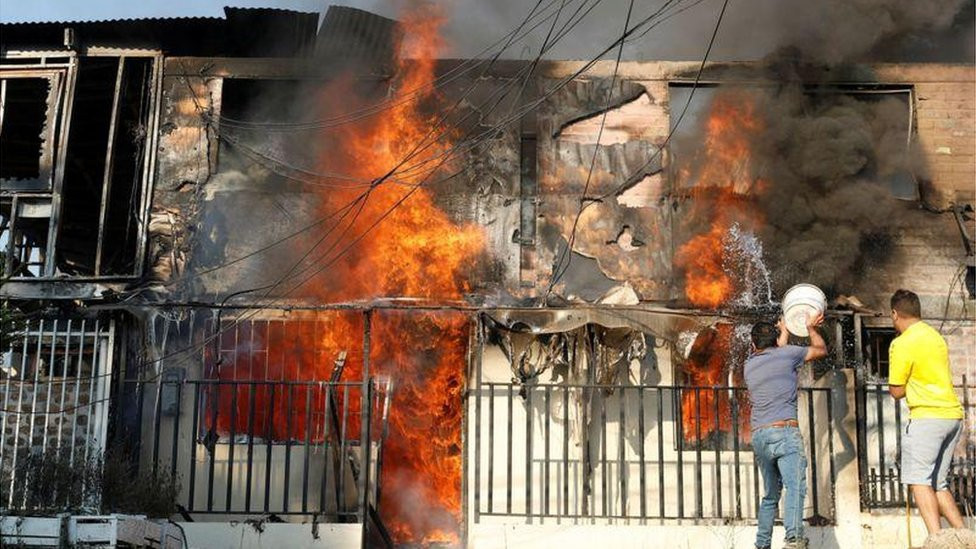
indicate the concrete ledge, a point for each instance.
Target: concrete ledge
{"x":249,"y":535}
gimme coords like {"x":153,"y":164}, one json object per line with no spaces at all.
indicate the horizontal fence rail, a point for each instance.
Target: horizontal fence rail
{"x":634,"y":452}
{"x":880,"y":428}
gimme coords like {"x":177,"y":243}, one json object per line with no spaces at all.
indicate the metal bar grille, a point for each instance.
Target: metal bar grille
{"x":56,"y":375}
{"x":881,"y":428}
{"x":631,"y":436}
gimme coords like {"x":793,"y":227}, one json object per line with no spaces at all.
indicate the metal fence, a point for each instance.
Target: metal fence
{"x":623,"y":452}
{"x":260,"y":447}
{"x":881,"y":423}
{"x":55,"y":376}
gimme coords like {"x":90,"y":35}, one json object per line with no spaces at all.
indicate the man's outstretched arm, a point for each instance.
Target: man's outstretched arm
{"x":818,"y":347}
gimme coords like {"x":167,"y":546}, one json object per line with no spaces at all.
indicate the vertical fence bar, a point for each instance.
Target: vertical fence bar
{"x":660,"y":454}
{"x":969,"y":494}
{"x":214,"y":437}
{"x":157,"y":425}
{"x":882,"y":489}
{"x":64,"y":384}
{"x":20,"y":409}
{"x":251,"y":389}
{"x":640,"y":452}
{"x":343,"y":436}
{"x":479,"y":394}
{"x":329,"y":413}
{"x":699,"y":507}
{"x":620,"y":451}
{"x":50,"y":387}
{"x":899,"y":485}
{"x":605,"y":496}
{"x":734,"y":405}
{"x":528,"y":450}
{"x":6,"y":395}
{"x":308,"y":445}
{"x":326,"y":417}
{"x":35,"y":388}
{"x":491,"y":446}
{"x":77,"y":399}
{"x":508,"y":475}
{"x":811,"y":424}
{"x":194,"y":432}
{"x":289,"y":412}
{"x":548,"y":425}
{"x":269,"y":436}
{"x":230,"y":447}
{"x":716,"y":440}
{"x":830,"y":450}
{"x":364,"y":419}
{"x":566,"y":451}
{"x":6,"y":408}
{"x":174,"y":455}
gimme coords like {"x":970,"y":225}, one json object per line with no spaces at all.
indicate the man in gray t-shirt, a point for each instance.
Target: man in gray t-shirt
{"x":771,"y":376}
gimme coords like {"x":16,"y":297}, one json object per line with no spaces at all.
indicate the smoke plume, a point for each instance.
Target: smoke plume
{"x":826,"y":30}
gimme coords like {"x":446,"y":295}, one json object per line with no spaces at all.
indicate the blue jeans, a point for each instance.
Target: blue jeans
{"x":782,"y":462}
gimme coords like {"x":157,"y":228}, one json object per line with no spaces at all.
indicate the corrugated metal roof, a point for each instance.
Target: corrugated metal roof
{"x":354,"y":35}
{"x":241,"y":32}
{"x":118,"y":20}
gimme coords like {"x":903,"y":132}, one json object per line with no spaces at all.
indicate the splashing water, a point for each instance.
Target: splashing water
{"x":743,"y":259}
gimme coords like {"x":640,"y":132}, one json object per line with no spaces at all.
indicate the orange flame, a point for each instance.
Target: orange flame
{"x":706,"y":412}
{"x":415,"y":251}
{"x":391,"y":241}
{"x":722,"y":179}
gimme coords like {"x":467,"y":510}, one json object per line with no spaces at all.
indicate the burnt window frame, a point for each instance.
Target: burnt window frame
{"x":31,"y":64}
{"x":56,"y":78}
{"x":844,"y":88}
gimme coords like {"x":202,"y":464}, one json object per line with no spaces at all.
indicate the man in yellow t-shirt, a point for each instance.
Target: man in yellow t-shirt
{"x":919,"y":372}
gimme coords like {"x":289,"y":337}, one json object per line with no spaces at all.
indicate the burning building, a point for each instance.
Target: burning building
{"x":315,"y":284}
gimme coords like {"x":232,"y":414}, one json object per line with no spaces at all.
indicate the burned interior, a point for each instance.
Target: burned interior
{"x":287,"y":272}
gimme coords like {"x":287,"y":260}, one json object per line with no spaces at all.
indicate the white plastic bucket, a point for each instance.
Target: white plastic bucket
{"x":801,"y":302}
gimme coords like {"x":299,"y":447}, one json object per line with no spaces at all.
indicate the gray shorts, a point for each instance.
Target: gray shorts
{"x":926,"y":451}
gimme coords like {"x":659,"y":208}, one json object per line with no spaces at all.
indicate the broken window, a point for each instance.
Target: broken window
{"x":877,"y":342}
{"x":865,"y":130}
{"x":28,"y":119}
{"x":75,"y":165}
{"x":24,"y":226}
{"x":106,"y":167}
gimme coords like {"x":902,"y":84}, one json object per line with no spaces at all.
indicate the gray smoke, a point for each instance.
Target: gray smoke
{"x":825,"y":30}
{"x":833,"y":162}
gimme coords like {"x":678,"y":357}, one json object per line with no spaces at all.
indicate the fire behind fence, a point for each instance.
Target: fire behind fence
{"x":252,"y":447}
{"x":582,"y":451}
{"x":881,"y":423}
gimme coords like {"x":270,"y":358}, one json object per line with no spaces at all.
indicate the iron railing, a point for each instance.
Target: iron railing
{"x":881,"y":421}
{"x":260,"y":447}
{"x":54,"y":390}
{"x":620,"y":452}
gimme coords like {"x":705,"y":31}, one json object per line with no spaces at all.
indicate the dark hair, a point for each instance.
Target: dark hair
{"x":764,"y":335}
{"x":906,"y":303}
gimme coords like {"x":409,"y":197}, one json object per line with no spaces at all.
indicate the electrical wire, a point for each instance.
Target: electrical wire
{"x":526,"y":108}
{"x":589,"y":174}
{"x":660,"y":148}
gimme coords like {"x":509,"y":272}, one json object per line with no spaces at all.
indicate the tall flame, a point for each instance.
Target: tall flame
{"x":388,"y":239}
{"x":415,"y":250}
{"x":722,"y":178}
